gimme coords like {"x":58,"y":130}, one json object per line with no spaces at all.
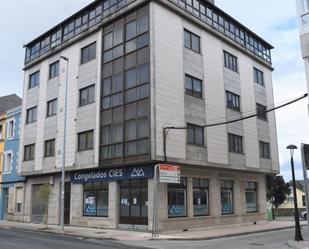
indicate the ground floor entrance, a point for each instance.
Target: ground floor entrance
{"x":133,"y":202}
{"x":5,"y":203}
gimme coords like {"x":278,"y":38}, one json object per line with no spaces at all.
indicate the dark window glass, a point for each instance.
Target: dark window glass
{"x":226,"y":192}
{"x":200,"y":197}
{"x":258,"y":76}
{"x":54,"y":70}
{"x":131,"y":30}
{"x":264,"y":150}
{"x":31,"y":115}
{"x":29,"y":152}
{"x":230,"y":61}
{"x":131,"y":78}
{"x":177,"y":199}
{"x":87,"y":95}
{"x":261,"y":112}
{"x":233,"y":101}
{"x":50,"y":148}
{"x":251,"y":197}
{"x":142,"y":24}
{"x":85,"y":140}
{"x":88,"y":53}
{"x":52,"y":108}
{"x":108,"y":41}
{"x":34,"y":79}
{"x":193,"y":86}
{"x":96,"y":199}
{"x":195,"y":134}
{"x":192,"y":41}
{"x":235,"y":143}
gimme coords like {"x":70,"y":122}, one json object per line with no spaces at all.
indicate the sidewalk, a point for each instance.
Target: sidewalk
{"x":298,"y":245}
{"x":194,"y":234}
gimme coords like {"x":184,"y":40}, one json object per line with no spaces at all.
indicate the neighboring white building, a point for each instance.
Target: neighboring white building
{"x":136,"y":66}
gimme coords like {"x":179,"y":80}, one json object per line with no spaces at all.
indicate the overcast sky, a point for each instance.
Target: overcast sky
{"x":274,"y":20}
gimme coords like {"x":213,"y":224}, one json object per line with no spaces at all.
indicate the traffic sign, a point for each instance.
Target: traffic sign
{"x":169,"y":173}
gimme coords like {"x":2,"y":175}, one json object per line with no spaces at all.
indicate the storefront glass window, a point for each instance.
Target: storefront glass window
{"x":226,"y":190}
{"x":96,"y":199}
{"x":251,"y":197}
{"x":177,"y":199}
{"x":200,"y":197}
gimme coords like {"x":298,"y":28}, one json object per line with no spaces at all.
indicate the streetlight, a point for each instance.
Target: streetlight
{"x":64,"y":143}
{"x":298,"y":235}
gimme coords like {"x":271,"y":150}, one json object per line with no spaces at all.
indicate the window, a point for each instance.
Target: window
{"x":52,"y":108}
{"x":264,"y":150}
{"x":177,"y":199}
{"x":305,"y":6}
{"x":261,"y":112}
{"x":86,"y":95}
{"x":29,"y":152}
{"x":50,"y":148}
{"x":230,"y":61}
{"x":233,"y":101}
{"x":19,"y":200}
{"x":195,"y":134}
{"x":258,"y":76}
{"x":54,"y":70}
{"x":200,"y":197}
{"x":251,"y":197}
{"x":193,"y":86}
{"x":34,"y":79}
{"x":96,"y":199}
{"x":235,"y":143}
{"x":192,"y":41}
{"x":303,"y":198}
{"x":10,"y":132}
{"x":8,"y":162}
{"x":226,"y":192}
{"x":88,"y":53}
{"x":85,"y":140}
{"x":290,"y":199}
{"x":31,"y":115}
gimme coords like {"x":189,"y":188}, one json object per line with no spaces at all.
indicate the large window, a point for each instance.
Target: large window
{"x":96,"y":199}
{"x":261,"y":112}
{"x":85,"y":140}
{"x":264,"y":150}
{"x":87,"y":95}
{"x":195,"y":134}
{"x":29,"y":152}
{"x":34,"y":79}
{"x":230,"y":61}
{"x":177,"y":199}
{"x":258,"y":76}
{"x":31,"y":115}
{"x":235,"y":143}
{"x":54,"y":70}
{"x":251,"y":197}
{"x":8,"y":162}
{"x":50,"y":148}
{"x":51,"y":107}
{"x":193,"y":86}
{"x":192,"y":41}
{"x":10,"y":129}
{"x":19,"y":200}
{"x":226,"y":192}
{"x":233,"y":101}
{"x":88,"y":53}
{"x":200,"y":197}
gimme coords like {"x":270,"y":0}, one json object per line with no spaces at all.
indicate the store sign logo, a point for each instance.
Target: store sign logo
{"x":137,"y":172}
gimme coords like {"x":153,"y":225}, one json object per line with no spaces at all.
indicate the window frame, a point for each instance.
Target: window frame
{"x":183,"y":186}
{"x":54,"y":69}
{"x":87,"y":133}
{"x":33,"y":120}
{"x":8,"y":163}
{"x":258,"y":76}
{"x":201,"y":189}
{"x":224,"y":188}
{"x":86,"y":50}
{"x":235,"y":98}
{"x":10,"y":129}
{"x":194,"y":127}
{"x":251,"y":189}
{"x":235,"y":143}
{"x":230,"y":61}
{"x":264,"y":155}
{"x":51,"y":151}
{"x":87,"y":88}
{"x":261,"y":113}
{"x":36,"y":76}
{"x":31,"y":147}
{"x":54,"y":107}
{"x":190,"y":46}
{"x":191,"y":91}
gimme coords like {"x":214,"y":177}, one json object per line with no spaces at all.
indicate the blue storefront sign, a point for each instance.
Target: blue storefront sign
{"x":112,"y":174}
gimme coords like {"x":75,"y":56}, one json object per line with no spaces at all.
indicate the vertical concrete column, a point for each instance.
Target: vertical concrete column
{"x":238,"y":194}
{"x":214,"y":198}
{"x":150,"y":202}
{"x":113,"y":203}
{"x":27,"y":201}
{"x":76,"y":203}
{"x":261,"y":192}
{"x":190,"y":197}
{"x":162,"y":202}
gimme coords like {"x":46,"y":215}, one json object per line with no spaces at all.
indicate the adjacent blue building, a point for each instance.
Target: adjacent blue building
{"x":11,"y":185}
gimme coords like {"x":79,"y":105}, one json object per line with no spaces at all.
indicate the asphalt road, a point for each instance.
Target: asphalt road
{"x":19,"y":239}
{"x":266,"y":240}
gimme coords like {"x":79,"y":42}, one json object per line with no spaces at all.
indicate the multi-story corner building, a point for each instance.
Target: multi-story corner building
{"x":303,"y":20}
{"x":133,"y":67}
{"x":11,"y":185}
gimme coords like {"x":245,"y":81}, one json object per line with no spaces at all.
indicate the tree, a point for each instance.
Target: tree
{"x":44,"y":194}
{"x":277,"y":190}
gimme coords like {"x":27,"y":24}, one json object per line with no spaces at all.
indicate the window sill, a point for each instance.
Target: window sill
{"x":231,"y":70}
{"x":196,"y":52}
{"x":29,"y":88}
{"x":54,"y":77}
{"x":51,"y":116}
{"x":238,"y":153}
{"x":234,"y":109}
{"x":49,"y":156}
{"x":84,"y":150}
{"x":197,"y":145}
{"x":86,"y":104}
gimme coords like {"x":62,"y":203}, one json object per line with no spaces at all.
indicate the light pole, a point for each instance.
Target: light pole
{"x":64,"y":144}
{"x":298,"y":235}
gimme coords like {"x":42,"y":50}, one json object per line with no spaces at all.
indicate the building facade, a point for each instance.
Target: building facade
{"x":132,"y":68}
{"x":11,"y":184}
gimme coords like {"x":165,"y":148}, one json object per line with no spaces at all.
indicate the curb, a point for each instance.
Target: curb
{"x":294,"y":246}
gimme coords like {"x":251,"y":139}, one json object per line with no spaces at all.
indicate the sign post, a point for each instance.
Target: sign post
{"x":305,"y":161}
{"x":164,"y":173}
